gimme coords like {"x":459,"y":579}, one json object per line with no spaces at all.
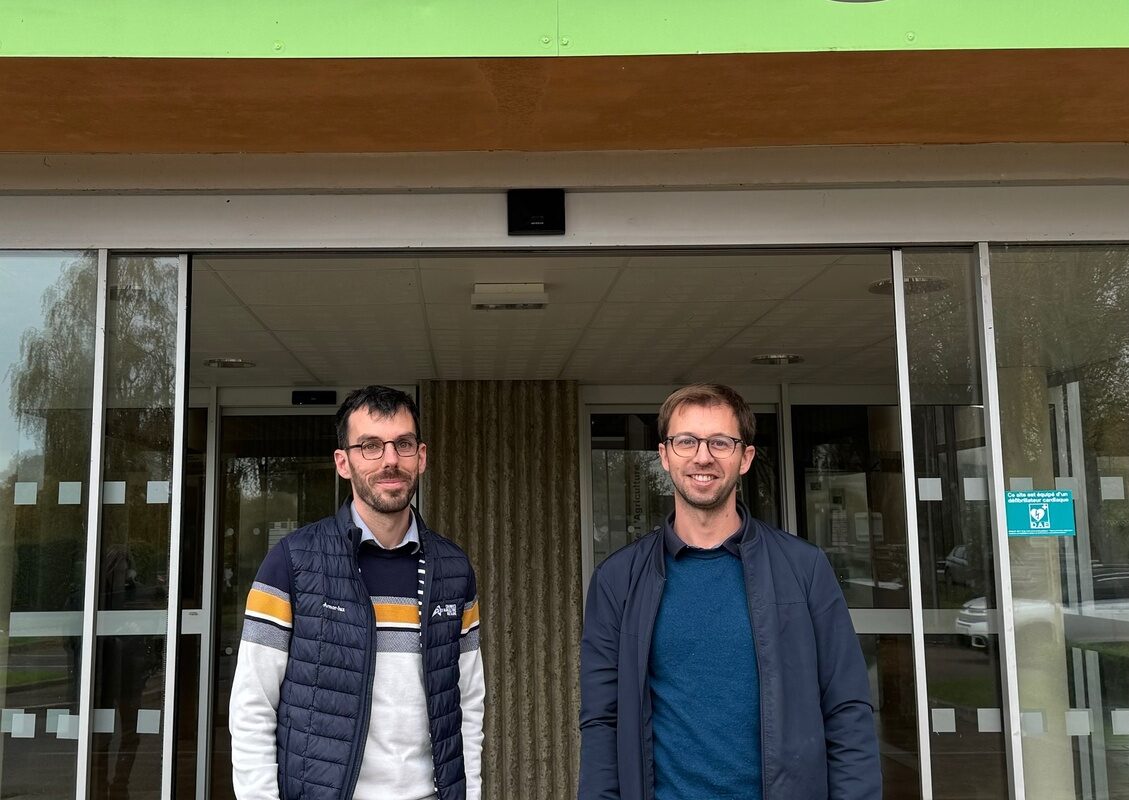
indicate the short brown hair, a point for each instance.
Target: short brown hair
{"x":709,"y":394}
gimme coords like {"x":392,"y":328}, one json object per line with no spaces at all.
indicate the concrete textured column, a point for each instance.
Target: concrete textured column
{"x":503,"y":480}
{"x":1048,"y":762}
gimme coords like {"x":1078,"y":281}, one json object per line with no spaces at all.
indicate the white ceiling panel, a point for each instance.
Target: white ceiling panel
{"x":707,"y":282}
{"x":224,"y":319}
{"x":689,"y":314}
{"x":219,"y":341}
{"x":343,"y":318}
{"x":304,"y":264}
{"x":765,"y":339}
{"x":461,"y":317}
{"x":818,"y":313}
{"x":325,"y":287}
{"x":451,"y":285}
{"x":208,"y":291}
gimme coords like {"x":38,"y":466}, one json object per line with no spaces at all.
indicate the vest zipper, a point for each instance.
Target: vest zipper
{"x":424,"y":605}
{"x":366,"y":708}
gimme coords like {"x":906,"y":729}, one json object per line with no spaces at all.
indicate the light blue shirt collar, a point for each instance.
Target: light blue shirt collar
{"x":410,"y":537}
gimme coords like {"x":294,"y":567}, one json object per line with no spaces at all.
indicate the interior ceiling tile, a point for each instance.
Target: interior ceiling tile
{"x":208,"y":291}
{"x":350,"y":318}
{"x":307,"y":265}
{"x":765,"y":339}
{"x":216,"y":341}
{"x":690,"y":314}
{"x":454,"y":285}
{"x":223,"y":319}
{"x":358,"y":342}
{"x":709,"y":283}
{"x":851,"y":282}
{"x":461,"y":317}
{"x":326,"y":287}
{"x":865,"y":313}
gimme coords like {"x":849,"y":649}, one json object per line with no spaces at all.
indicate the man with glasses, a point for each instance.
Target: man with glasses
{"x":359,"y":671}
{"x":718,"y":658}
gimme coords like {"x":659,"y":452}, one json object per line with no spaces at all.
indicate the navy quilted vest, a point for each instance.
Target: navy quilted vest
{"x":326,"y":696}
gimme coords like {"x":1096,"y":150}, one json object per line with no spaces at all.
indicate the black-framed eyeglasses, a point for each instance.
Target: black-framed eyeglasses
{"x":686,"y":445}
{"x":373,"y":449}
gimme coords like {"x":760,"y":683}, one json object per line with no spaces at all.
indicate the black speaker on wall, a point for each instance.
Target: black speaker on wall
{"x":536,"y":212}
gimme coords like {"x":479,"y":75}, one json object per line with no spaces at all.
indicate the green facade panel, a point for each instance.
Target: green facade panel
{"x":461,"y":28}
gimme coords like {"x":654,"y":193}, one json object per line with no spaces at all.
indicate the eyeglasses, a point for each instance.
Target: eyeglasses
{"x":373,"y":449}
{"x":686,"y":445}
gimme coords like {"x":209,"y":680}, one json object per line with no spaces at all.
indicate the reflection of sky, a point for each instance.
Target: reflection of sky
{"x":24,"y":278}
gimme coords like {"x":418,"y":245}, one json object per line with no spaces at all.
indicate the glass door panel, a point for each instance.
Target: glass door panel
{"x":47,"y":321}
{"x":1062,"y":341}
{"x":276,"y":474}
{"x":954,"y":531}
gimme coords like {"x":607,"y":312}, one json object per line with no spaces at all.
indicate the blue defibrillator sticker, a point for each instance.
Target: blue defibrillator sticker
{"x":1042,"y":513}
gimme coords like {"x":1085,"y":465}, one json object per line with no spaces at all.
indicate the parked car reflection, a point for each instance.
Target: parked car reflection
{"x":1105,"y":618}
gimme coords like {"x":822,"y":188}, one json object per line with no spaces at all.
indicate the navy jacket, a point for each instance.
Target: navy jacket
{"x":326,"y":696}
{"x":817,"y":723}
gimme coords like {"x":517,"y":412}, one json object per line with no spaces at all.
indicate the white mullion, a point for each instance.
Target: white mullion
{"x":93,"y":536}
{"x":207,"y":601}
{"x":1009,"y":675}
{"x":172,"y":632}
{"x":913,"y":556}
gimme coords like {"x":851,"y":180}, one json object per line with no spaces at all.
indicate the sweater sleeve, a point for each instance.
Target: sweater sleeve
{"x":472,"y":691}
{"x":259,"y":671}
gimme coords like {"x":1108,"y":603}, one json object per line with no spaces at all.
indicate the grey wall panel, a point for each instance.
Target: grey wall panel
{"x":503,"y":481}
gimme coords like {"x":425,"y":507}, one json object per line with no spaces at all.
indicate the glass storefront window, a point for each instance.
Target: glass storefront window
{"x":1062,"y":344}
{"x":47,"y":319}
{"x":276,"y":475}
{"x":954,"y":525}
{"x":132,"y":594}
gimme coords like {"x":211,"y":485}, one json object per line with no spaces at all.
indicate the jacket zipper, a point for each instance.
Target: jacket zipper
{"x":424,"y":605}
{"x":760,"y":671}
{"x":645,"y":660}
{"x":366,"y":708}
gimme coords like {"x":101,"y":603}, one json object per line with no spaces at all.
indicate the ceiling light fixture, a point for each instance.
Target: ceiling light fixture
{"x":914,"y":284}
{"x":776,"y":359}
{"x":229,"y":363}
{"x":509,"y":296}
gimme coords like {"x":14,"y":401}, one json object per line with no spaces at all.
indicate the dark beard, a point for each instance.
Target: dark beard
{"x":387,"y":504}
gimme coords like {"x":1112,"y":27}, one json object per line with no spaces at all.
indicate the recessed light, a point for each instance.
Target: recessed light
{"x":228,"y":363}
{"x":914,"y":284}
{"x":776,"y":359}
{"x":508,"y":296}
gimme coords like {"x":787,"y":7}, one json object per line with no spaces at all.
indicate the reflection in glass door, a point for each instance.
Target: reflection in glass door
{"x":1062,"y":344}
{"x":276,"y":473}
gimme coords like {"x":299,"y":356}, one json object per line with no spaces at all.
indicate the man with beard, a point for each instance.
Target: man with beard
{"x":359,"y":671}
{"x":718,"y":658}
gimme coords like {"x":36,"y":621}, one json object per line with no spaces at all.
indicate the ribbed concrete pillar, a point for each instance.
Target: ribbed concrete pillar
{"x":503,"y":481}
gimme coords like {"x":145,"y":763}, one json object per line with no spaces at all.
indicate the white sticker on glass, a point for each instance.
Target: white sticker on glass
{"x":929,"y":490}
{"x":23,"y":726}
{"x":1120,"y":721}
{"x":26,"y":492}
{"x":6,"y":715}
{"x":989,"y":720}
{"x":68,"y":726}
{"x":975,"y":490}
{"x":104,"y":720}
{"x":53,"y":716}
{"x":149,"y":720}
{"x":1022,"y":484}
{"x":1031,"y":723}
{"x":157,"y":492}
{"x":944,"y":720}
{"x":1113,"y":487}
{"x":1067,"y":484}
{"x":70,"y":493}
{"x":113,"y":493}
{"x":1078,"y":722}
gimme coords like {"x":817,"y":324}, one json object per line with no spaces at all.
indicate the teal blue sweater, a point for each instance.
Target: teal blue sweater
{"x":705,"y":692}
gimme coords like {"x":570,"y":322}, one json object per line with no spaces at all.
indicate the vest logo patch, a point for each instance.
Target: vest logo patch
{"x":333,"y":608}
{"x":445,"y":610}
